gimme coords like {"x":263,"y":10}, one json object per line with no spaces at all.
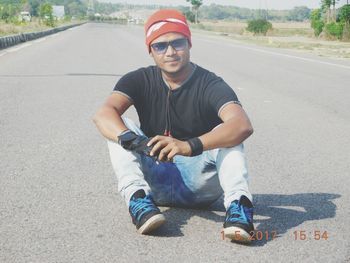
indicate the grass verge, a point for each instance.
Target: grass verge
{"x":7,"y":29}
{"x":295,"y":36}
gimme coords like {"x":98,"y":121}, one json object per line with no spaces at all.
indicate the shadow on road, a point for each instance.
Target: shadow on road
{"x":274,"y":213}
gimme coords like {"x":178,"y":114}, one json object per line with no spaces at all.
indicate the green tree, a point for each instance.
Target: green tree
{"x":334,"y":11}
{"x":106,"y":8}
{"x":344,"y":16}
{"x":9,"y":9}
{"x":75,"y":9}
{"x":34,"y":7}
{"x":329,"y":12}
{"x":5,"y":13}
{"x":190,"y":16}
{"x":46,"y":15}
{"x":326,"y":8}
{"x":316,"y":21}
{"x":195,"y":7}
{"x":331,"y":28}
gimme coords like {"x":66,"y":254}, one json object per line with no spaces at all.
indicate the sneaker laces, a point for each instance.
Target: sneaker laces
{"x":234,"y":212}
{"x":141,"y":206}
{"x":239,"y":212}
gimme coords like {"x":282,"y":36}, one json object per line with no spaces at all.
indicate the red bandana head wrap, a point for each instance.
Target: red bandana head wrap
{"x":166,"y":21}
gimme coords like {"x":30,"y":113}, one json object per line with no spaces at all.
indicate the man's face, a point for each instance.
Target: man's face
{"x":171,"y":61}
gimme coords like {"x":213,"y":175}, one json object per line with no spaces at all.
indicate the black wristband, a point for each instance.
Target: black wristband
{"x":196,"y":146}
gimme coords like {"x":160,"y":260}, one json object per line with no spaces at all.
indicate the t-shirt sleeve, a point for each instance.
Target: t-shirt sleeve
{"x":131,"y":85}
{"x":219,"y":94}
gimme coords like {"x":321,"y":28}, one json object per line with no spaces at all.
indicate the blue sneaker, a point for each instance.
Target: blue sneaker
{"x":145,"y":215}
{"x":238,"y":224}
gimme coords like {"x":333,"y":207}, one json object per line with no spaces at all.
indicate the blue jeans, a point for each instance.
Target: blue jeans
{"x":187,"y":181}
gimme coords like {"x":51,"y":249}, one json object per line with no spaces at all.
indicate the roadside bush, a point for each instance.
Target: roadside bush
{"x":190,"y":16}
{"x":259,"y":26}
{"x":67,"y":18}
{"x":318,"y":27}
{"x":316,"y":22}
{"x":334,"y":30}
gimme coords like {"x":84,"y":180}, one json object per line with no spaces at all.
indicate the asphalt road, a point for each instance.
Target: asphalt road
{"x":58,"y":193}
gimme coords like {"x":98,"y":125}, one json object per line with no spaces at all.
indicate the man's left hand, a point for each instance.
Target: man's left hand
{"x":167,"y":147}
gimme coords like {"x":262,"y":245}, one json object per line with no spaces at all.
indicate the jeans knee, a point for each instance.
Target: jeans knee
{"x":237,"y":150}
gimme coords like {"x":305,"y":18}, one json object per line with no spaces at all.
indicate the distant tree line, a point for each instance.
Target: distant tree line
{"x":79,"y":8}
{"x":10,"y":9}
{"x":326,"y":19}
{"x":219,"y":12}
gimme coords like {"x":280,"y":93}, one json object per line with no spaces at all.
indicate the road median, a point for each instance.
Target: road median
{"x":8,"y":41}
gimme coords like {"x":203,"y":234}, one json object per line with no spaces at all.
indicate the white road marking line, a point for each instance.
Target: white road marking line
{"x":285,"y":55}
{"x":40,"y":40}
{"x":267,"y":101}
{"x":300,"y":58}
{"x":14,"y":49}
{"x":17,"y":48}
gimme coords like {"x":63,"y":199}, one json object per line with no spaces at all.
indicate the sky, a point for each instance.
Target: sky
{"x":253,"y":4}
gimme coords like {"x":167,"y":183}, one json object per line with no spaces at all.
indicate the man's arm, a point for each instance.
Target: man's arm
{"x":236,"y":127}
{"x":108,"y":118}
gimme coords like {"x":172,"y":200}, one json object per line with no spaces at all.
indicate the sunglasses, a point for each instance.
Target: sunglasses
{"x":177,"y":44}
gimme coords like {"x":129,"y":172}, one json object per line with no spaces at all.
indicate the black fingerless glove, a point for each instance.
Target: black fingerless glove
{"x":133,"y":142}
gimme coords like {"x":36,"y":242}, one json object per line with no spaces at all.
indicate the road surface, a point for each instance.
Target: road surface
{"x":58,"y":192}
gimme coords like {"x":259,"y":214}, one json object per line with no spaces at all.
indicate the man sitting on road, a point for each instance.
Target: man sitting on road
{"x":188,"y":150}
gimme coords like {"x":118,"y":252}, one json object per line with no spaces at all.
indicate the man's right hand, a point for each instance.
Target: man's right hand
{"x":165,"y":147}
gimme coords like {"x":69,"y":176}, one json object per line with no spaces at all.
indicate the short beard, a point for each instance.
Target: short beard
{"x":176,"y":73}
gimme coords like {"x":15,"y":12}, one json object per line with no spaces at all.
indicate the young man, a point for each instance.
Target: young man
{"x":188,"y":150}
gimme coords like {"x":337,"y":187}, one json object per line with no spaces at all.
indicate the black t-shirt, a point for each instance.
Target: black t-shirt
{"x":188,"y":111}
